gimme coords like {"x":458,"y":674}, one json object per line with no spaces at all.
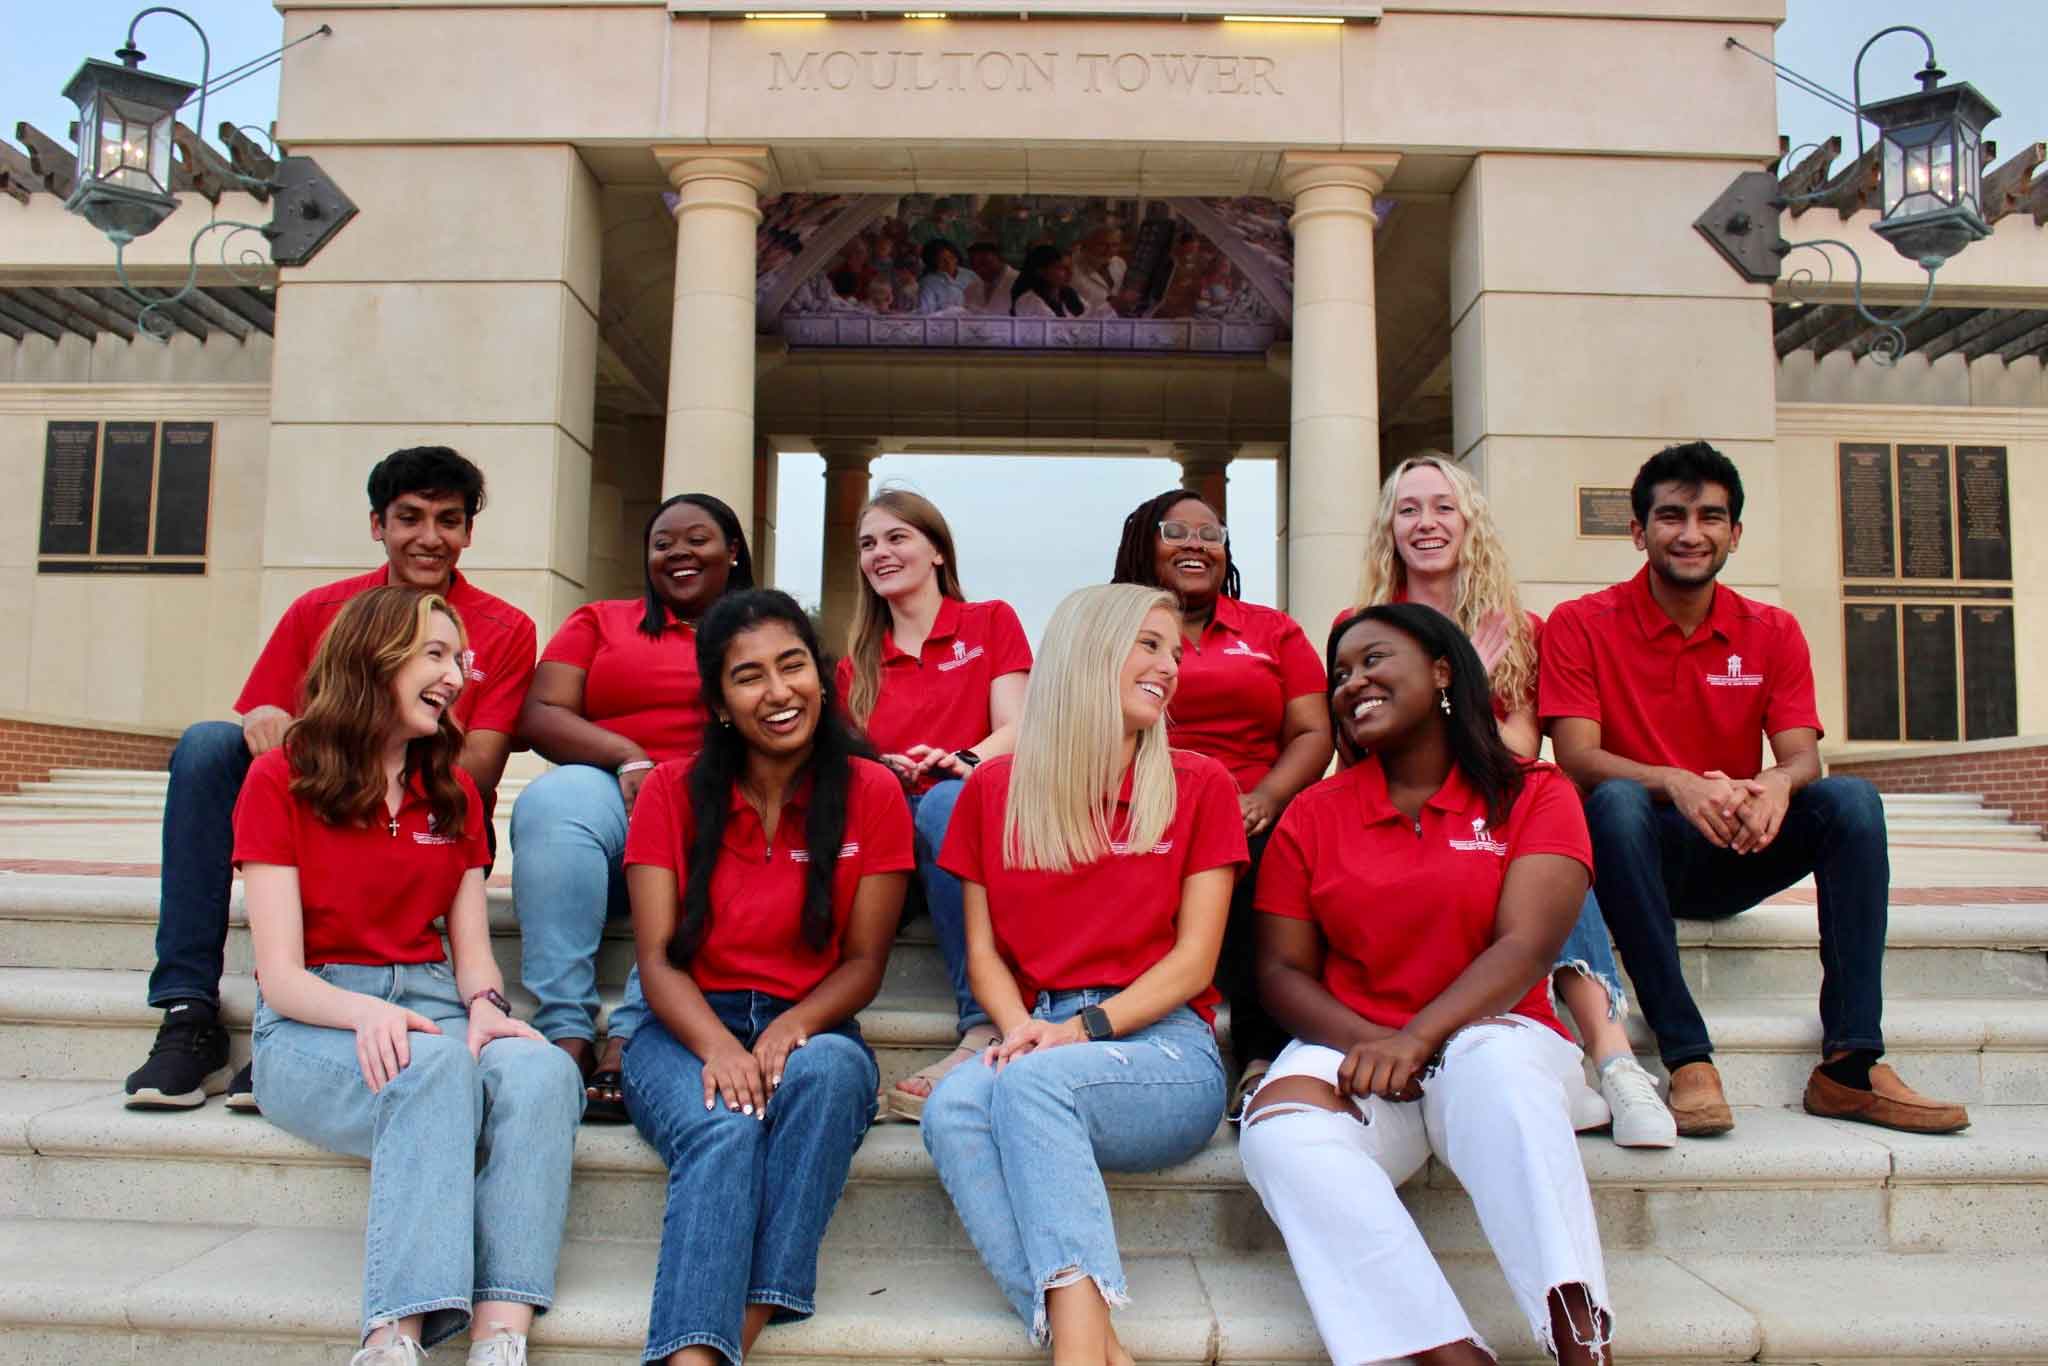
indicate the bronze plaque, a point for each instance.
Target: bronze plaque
{"x":125,"y":484}
{"x":1604,"y":511}
{"x":1991,"y":702}
{"x":1930,"y":650}
{"x":1933,"y":592}
{"x":1984,"y":505}
{"x":1870,"y":638}
{"x":183,"y":488}
{"x":1926,"y":518}
{"x":70,"y":457}
{"x":1866,"y":501}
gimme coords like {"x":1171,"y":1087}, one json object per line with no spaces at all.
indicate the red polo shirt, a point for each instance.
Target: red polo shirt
{"x":1104,"y":923}
{"x":1405,"y":912}
{"x":500,"y":649}
{"x":1500,"y":704}
{"x":939,"y":696}
{"x":1235,"y":684}
{"x":754,"y":941}
{"x":1698,"y":703}
{"x":366,"y":895}
{"x":645,"y":690}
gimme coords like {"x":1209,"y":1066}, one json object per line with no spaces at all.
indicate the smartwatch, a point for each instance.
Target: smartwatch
{"x":1095,"y":1023}
{"x":495,"y":997}
{"x":967,"y":757}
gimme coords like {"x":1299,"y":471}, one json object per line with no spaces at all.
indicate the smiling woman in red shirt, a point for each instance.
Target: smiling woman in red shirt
{"x":1412,"y":906}
{"x":937,"y":683}
{"x":616,"y":692}
{"x":1096,"y":865}
{"x":1251,"y":696}
{"x":354,"y":837}
{"x":767,"y":875}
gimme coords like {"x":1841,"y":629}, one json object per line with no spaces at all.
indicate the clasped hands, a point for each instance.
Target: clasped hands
{"x":746,"y":1077}
{"x":919,"y":762}
{"x":1738,"y":814}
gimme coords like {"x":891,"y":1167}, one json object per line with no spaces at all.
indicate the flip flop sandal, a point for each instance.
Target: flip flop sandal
{"x":1247,"y":1085}
{"x":906,"y":1105}
{"x":599,"y":1108}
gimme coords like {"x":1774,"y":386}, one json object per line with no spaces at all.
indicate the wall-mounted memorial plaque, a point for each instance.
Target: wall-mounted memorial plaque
{"x":1991,"y":703}
{"x":127,"y":475}
{"x":1870,"y":636}
{"x":1984,"y":505}
{"x":1930,"y":649}
{"x":1926,"y":518}
{"x":70,"y":459}
{"x":1866,"y":499}
{"x":1604,"y":512}
{"x":183,"y":488}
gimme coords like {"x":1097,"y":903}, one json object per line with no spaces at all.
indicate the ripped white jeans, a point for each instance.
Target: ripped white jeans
{"x":1496,"y":1113}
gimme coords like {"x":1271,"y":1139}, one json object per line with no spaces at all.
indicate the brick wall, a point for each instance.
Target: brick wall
{"x":30,"y":749}
{"x":2008,"y":776}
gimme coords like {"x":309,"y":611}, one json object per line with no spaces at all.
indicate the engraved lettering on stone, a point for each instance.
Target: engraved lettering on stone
{"x":1097,"y":73}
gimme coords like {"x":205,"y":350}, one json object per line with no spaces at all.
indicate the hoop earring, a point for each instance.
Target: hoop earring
{"x":1443,"y":699}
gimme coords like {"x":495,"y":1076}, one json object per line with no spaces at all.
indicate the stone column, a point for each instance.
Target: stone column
{"x":767,"y":485}
{"x":1205,"y":471}
{"x":1333,"y":445}
{"x":709,"y":446}
{"x":846,"y":490}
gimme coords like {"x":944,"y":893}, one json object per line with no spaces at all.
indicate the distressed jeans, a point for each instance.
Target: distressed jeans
{"x":1587,"y":951}
{"x":469,"y":1160}
{"x":1021,"y":1152}
{"x":931,"y":812}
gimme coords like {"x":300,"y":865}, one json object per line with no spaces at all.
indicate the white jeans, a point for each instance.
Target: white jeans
{"x":1497,"y":1113}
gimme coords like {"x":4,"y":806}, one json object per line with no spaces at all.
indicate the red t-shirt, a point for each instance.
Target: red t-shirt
{"x":1235,"y":684}
{"x":1697,"y":703}
{"x":1500,"y":704}
{"x":499,"y":667}
{"x":1404,"y":914}
{"x":940,"y":695}
{"x":645,"y":690}
{"x":754,"y":941}
{"x":366,"y":895}
{"x":1104,"y":923}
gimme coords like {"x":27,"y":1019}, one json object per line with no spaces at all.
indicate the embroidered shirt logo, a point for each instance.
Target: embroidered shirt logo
{"x":1735,"y":677}
{"x":1482,"y":842}
{"x":469,"y":668}
{"x":846,"y":850}
{"x":1243,"y":648}
{"x":1121,"y":847}
{"x":427,"y":836}
{"x":962,"y":654}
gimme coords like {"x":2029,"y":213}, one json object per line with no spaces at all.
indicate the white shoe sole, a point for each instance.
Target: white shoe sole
{"x":150,"y":1098}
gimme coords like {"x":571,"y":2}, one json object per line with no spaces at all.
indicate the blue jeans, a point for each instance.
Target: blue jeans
{"x":748,"y":1199}
{"x":207,"y":769}
{"x":932,"y":812}
{"x":1653,"y":865}
{"x":1588,"y":952}
{"x":469,"y":1160}
{"x":568,"y":879}
{"x":1022,"y":1151}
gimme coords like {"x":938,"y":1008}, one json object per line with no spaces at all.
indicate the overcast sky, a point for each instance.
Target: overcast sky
{"x":1030,"y":530}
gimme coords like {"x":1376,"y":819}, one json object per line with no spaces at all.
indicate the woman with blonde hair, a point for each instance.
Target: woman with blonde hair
{"x":1096,"y":865}
{"x":354,"y":836}
{"x":1434,"y":542}
{"x":937,"y":684}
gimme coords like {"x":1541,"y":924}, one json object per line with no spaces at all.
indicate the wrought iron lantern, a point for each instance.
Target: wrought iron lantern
{"x":124,"y":144}
{"x":1932,"y":163}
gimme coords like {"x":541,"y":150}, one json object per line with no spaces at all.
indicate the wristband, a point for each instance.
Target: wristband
{"x":495,"y":997}
{"x":967,"y":757}
{"x":634,"y":766}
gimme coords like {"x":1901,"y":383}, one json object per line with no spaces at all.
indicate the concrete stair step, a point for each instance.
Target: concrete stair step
{"x":138,"y":1292}
{"x":1784,"y":1179}
{"x":1962,"y":832}
{"x":1907,"y":801}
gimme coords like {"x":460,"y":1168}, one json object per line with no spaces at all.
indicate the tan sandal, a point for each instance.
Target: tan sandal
{"x":1247,"y":1085}
{"x":908,"y":1105}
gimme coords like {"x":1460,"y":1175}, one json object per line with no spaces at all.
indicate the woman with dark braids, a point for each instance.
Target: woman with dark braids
{"x":766,"y":878}
{"x":1251,"y":696}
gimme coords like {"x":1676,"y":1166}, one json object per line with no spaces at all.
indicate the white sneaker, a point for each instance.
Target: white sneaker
{"x":1588,"y":1110}
{"x":1640,"y":1119}
{"x":399,"y":1351}
{"x":502,"y":1348}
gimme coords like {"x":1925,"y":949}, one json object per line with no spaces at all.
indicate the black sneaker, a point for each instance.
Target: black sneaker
{"x":242,"y":1092}
{"x":188,"y":1059}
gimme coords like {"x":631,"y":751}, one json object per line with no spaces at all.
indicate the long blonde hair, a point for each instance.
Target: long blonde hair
{"x":871,"y":612}
{"x":1484,"y":584}
{"x":1064,"y":785}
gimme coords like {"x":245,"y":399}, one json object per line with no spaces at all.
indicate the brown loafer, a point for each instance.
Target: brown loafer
{"x":1889,"y":1103}
{"x":1698,"y":1103}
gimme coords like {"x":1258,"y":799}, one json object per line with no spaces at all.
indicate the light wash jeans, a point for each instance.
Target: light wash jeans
{"x":1589,"y":952}
{"x":931,"y":812}
{"x":469,"y":1161}
{"x":1022,"y":1151}
{"x":568,"y":879}
{"x":748,"y":1198}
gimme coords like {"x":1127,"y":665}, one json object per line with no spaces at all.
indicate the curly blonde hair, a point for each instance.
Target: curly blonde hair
{"x":1484,"y":584}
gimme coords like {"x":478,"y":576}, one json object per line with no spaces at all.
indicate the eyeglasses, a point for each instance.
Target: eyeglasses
{"x":1173,"y":533}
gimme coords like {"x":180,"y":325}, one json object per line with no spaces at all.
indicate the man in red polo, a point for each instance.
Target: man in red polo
{"x":423,"y":506}
{"x":1658,"y":694}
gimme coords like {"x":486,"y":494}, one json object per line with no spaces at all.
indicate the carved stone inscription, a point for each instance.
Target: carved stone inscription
{"x":1866,"y":494}
{"x":918,"y":71}
{"x":1870,"y":639}
{"x":1926,"y":528}
{"x":70,"y":455}
{"x":1984,"y":502}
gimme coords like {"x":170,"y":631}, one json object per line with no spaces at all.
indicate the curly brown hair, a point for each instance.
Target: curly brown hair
{"x":335,"y":747}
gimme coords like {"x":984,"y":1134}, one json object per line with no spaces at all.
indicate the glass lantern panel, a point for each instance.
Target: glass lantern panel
{"x":1894,"y":176}
{"x":130,"y":163}
{"x":160,"y":153}
{"x":1970,"y":177}
{"x":108,"y":163}
{"x":1943,"y":172}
